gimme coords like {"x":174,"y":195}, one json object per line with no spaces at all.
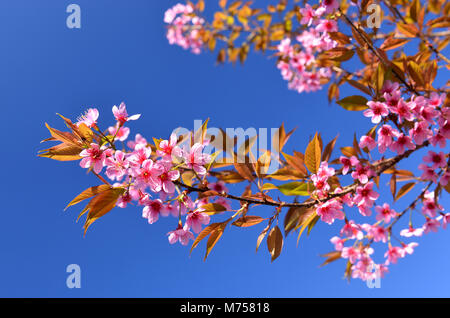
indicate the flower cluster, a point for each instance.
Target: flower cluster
{"x":184,"y":27}
{"x":417,"y":121}
{"x":298,"y":60}
{"x":146,"y":173}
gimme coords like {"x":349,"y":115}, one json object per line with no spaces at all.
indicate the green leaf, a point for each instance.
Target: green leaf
{"x":353,"y":103}
{"x":296,"y":188}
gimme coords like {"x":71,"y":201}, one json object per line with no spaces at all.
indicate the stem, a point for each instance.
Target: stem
{"x":380,"y":168}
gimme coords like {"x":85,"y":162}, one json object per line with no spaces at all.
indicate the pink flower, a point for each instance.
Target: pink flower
{"x":330,"y":5}
{"x":121,"y":133}
{"x":124,"y":200}
{"x":403,"y":111}
{"x":324,"y":171}
{"x":431,"y":225}
{"x":378,"y":233}
{"x":376,"y":111}
{"x":152,"y":210}
{"x":436,"y":100}
{"x":321,"y":184}
{"x":196,"y":219}
{"x":140,"y":154}
{"x":181,"y":234}
{"x":327,"y":26}
{"x":169,"y":148}
{"x":409,"y":232}
{"x":352,"y":230}
{"x":420,"y":132}
{"x":218,"y":186}
{"x":445,"y":178}
{"x":117,"y":165}
{"x":93,"y":157}
{"x":402,"y":143}
{"x":308,"y":15}
{"x":390,"y":87}
{"x":351,"y":253}
{"x":429,"y":114}
{"x":348,"y":163}
{"x":437,"y":159}
{"x":428,"y":173}
{"x":385,"y":213}
{"x":430,"y":206}
{"x":385,"y":135}
{"x":409,"y":248}
{"x":365,"y":196}
{"x":338,"y":243}
{"x":148,"y":175}
{"x":393,"y":254}
{"x":89,"y":118}
{"x":362,"y":173}
{"x":392,"y":99}
{"x":329,"y":211}
{"x":438,"y":139}
{"x":367,"y":141}
{"x":445,"y":220}
{"x":196,"y":160}
{"x":139,"y":140}
{"x":121,"y":114}
{"x":167,"y":177}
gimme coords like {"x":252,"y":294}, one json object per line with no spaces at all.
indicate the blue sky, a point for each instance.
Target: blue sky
{"x":121,"y":54}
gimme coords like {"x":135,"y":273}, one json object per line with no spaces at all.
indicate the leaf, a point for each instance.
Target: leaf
{"x":392,"y":43}
{"x":296,"y":162}
{"x":216,"y":234}
{"x":339,"y":37}
{"x":244,"y":171}
{"x":100,"y":205}
{"x":348,"y":151}
{"x":261,"y":236}
{"x":204,"y":233}
{"x":292,"y":218}
{"x":353,"y":103}
{"x":248,"y":220}
{"x":404,"y":190}
{"x":329,"y":149}
{"x":313,"y":155}
{"x":340,"y":54}
{"x":212,"y":208}
{"x":62,"y":152}
{"x":416,"y":73}
{"x":285,"y":174}
{"x":306,"y":219}
{"x":331,"y":257}
{"x":275,"y":242}
{"x":393,"y":185}
{"x":414,"y":10}
{"x":230,"y":177}
{"x":268,"y":186}
{"x":358,"y":85}
{"x":63,"y":136}
{"x":88,"y":193}
{"x":296,"y":188}
{"x":408,"y":30}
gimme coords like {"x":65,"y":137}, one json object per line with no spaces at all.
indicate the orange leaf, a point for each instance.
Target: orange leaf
{"x":275,"y":242}
{"x":248,"y":220}
{"x":88,"y":193}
